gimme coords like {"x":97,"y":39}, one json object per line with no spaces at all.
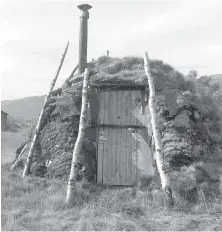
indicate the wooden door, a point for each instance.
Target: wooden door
{"x":122,"y":137}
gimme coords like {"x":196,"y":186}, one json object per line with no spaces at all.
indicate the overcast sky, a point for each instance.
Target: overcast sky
{"x":185,"y":34}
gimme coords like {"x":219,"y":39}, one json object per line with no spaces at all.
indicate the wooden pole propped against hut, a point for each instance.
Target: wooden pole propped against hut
{"x":79,"y":142}
{"x":28,"y":163}
{"x":83,"y":37}
{"x":165,"y":181}
{"x":19,"y":157}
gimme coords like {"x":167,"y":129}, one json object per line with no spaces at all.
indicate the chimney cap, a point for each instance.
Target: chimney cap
{"x":84,"y":7}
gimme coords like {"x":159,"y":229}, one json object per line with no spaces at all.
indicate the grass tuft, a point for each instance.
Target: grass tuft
{"x":39,"y":204}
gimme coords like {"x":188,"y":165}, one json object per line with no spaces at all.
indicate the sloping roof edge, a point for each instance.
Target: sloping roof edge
{"x":3,"y":112}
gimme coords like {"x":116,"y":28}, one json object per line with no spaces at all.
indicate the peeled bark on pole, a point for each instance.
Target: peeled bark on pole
{"x":27,"y":167}
{"x":19,"y":157}
{"x":165,"y":181}
{"x":79,"y":143}
{"x":71,"y":75}
{"x":73,"y":72}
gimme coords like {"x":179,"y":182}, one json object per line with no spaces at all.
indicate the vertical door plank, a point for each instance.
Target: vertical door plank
{"x":133,"y":121}
{"x":100,"y":142}
{"x":106,"y":107}
{"x":125,"y":108}
{"x":117,"y":137}
{"x":134,"y":107}
{"x":105,"y":156}
{"x":100,"y":152}
{"x":130,"y":137}
{"x":109,"y":155}
{"x":139,"y":151}
{"x":121,"y":149}
{"x":134,"y":157}
{"x":111,"y":109}
{"x":116,"y":158}
{"x":113,"y":156}
{"x":125,"y":158}
{"x":101,"y":107}
{"x":128,"y":108}
{"x":120,"y":111}
{"x":123,"y":155}
{"x":106,"y":140}
{"x":129,"y":151}
{"x":119,"y":152}
{"x":133,"y":134}
{"x":100,"y":159}
{"x":118,"y":107}
{"x":122,"y":107}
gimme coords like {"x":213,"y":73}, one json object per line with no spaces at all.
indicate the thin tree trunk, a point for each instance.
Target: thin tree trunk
{"x":19,"y":157}
{"x":165,"y":181}
{"x":27,"y":167}
{"x":68,"y":80}
{"x":73,"y":72}
{"x":153,"y":156}
{"x":79,"y":143}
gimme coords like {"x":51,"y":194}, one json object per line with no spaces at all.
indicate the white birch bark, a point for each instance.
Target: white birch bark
{"x":79,"y":142}
{"x":19,"y":157}
{"x":165,"y":181}
{"x":72,"y":73}
{"x":27,"y":167}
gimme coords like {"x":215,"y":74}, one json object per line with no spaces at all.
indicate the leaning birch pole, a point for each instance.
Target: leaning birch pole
{"x":165,"y":181}
{"x":79,"y":142}
{"x":19,"y":157}
{"x":73,"y":72}
{"x":28,"y":162}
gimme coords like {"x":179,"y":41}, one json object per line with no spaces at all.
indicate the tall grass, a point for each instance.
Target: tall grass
{"x":38,"y":204}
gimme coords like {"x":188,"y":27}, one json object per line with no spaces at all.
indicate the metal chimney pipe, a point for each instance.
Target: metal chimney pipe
{"x":83,"y":35}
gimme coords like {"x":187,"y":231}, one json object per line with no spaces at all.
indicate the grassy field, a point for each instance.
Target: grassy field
{"x":38,"y":204}
{"x":10,"y":141}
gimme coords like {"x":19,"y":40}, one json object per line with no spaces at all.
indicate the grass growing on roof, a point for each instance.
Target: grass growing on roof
{"x":131,"y":70}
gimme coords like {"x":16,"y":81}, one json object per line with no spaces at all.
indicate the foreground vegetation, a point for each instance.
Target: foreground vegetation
{"x":38,"y":204}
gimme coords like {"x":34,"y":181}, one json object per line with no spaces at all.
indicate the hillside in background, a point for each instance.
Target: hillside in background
{"x":17,"y":132}
{"x":10,"y":141}
{"x":26,"y":108}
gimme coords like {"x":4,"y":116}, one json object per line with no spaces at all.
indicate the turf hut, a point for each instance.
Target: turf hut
{"x":118,"y":147}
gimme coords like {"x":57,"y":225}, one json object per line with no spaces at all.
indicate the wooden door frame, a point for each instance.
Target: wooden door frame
{"x":115,"y":87}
